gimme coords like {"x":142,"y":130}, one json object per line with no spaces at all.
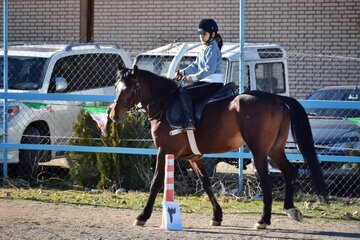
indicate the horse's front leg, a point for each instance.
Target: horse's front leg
{"x":199,"y":169}
{"x":156,"y":184}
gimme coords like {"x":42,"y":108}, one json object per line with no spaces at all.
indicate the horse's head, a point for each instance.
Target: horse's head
{"x":127,"y":92}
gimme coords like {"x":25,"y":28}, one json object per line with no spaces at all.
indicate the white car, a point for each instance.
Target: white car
{"x":42,"y":68}
{"x":265,"y":64}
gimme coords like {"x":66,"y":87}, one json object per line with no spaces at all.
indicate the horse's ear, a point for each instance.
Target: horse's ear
{"x":134,"y":70}
{"x":120,"y":66}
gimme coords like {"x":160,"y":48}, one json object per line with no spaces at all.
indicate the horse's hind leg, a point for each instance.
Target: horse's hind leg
{"x":261,"y":166}
{"x":156,"y":184}
{"x":278,"y":157}
{"x":290,"y":174}
{"x":199,"y":169}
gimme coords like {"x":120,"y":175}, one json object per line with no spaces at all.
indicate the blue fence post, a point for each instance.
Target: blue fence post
{"x":241,"y":87}
{"x":5,"y":107}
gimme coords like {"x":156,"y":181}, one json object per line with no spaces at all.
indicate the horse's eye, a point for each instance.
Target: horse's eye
{"x":128,"y":80}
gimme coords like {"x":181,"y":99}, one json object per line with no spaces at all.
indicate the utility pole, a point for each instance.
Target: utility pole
{"x":86,"y":20}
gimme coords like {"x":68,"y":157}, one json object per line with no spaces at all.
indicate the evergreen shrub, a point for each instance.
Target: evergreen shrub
{"x":111,"y":170}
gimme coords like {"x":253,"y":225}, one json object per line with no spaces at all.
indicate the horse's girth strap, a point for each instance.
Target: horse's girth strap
{"x":192,"y":142}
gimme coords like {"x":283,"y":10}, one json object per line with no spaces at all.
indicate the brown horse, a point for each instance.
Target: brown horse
{"x":260,"y":120}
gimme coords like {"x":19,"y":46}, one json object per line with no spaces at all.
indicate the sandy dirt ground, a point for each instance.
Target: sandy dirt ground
{"x":36,"y":220}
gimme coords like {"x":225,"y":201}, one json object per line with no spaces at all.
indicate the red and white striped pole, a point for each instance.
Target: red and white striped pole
{"x":169,"y":178}
{"x":171,"y":219}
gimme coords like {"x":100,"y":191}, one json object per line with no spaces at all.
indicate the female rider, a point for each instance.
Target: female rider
{"x":204,"y":74}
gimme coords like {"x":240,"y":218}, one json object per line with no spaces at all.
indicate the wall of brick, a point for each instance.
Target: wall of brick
{"x":43,"y":21}
{"x":136,"y":25}
{"x":312,"y":31}
{"x":304,"y":27}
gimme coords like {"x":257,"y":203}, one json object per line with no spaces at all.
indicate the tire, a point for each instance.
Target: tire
{"x":29,"y":159}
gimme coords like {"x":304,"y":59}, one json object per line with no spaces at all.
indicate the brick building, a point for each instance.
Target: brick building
{"x":322,"y":37}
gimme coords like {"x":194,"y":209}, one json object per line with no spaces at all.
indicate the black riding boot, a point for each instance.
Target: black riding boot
{"x":186,"y":102}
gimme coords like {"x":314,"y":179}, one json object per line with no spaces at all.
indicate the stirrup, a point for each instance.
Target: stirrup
{"x":177,"y":131}
{"x":190,"y":126}
{"x":181,"y":130}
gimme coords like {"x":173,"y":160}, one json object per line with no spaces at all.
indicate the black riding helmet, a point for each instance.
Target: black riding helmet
{"x":207,"y":25}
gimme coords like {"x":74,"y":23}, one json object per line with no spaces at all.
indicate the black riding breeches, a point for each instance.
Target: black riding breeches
{"x":201,"y":90}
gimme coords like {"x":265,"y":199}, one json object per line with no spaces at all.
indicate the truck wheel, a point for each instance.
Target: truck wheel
{"x":29,"y":159}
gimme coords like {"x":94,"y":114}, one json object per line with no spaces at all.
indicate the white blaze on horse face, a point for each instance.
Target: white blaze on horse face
{"x":119,"y":88}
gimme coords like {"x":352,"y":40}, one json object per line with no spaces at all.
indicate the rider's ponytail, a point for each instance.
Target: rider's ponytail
{"x":219,"y":40}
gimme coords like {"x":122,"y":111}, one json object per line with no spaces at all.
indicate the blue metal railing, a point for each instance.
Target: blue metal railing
{"x":109,"y":98}
{"x":147,"y":151}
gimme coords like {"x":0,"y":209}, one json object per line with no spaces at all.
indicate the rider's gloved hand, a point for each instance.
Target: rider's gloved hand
{"x":190,"y":78}
{"x":179,"y":74}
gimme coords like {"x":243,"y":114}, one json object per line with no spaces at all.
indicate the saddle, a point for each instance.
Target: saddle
{"x":176,"y":117}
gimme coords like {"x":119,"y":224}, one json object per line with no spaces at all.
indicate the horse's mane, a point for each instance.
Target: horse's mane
{"x":160,"y":86}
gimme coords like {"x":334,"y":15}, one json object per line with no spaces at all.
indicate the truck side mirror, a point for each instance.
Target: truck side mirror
{"x":61,"y":84}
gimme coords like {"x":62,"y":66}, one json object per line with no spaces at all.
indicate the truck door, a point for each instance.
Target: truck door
{"x":270,"y":77}
{"x":233,"y":75}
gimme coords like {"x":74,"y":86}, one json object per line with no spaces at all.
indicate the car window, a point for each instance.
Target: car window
{"x":160,"y":64}
{"x":234,"y":75}
{"x":335,"y":95}
{"x":156,"y":64}
{"x":25,"y":73}
{"x":270,"y":77}
{"x":86,"y":71}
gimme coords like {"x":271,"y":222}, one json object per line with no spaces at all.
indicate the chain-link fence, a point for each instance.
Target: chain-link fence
{"x":58,"y":69}
{"x":335,"y":128}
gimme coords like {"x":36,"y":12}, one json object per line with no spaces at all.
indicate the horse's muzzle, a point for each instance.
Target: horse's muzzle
{"x":116,"y":117}
{"x":113,"y":115}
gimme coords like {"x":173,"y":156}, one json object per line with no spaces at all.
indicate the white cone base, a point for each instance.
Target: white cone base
{"x":171,"y":216}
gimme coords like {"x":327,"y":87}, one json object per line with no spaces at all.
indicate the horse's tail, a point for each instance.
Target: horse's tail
{"x":301,"y":130}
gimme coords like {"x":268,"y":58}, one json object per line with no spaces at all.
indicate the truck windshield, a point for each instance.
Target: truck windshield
{"x":24,"y":73}
{"x":156,"y":64}
{"x":160,"y":64}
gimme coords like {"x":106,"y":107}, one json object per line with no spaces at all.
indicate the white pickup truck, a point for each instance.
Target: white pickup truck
{"x":42,"y":68}
{"x":265,"y":64}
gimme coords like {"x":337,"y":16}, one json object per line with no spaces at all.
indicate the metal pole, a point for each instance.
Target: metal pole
{"x":241,"y":86}
{"x":172,"y":67}
{"x":5,"y":118}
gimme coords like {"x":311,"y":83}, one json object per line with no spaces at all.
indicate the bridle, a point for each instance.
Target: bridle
{"x":136,"y":94}
{"x":137,"y":91}
{"x":136,"y":98}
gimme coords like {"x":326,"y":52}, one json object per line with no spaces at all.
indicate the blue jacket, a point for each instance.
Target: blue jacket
{"x":207,"y":62}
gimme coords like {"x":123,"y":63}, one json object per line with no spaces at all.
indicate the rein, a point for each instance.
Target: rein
{"x":159,"y":113}
{"x":137,"y":91}
{"x":163,"y":102}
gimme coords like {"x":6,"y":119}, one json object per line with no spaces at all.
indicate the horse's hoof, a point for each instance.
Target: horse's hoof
{"x":215,"y":223}
{"x":139,"y":223}
{"x":260,"y":226}
{"x":295,"y":214}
